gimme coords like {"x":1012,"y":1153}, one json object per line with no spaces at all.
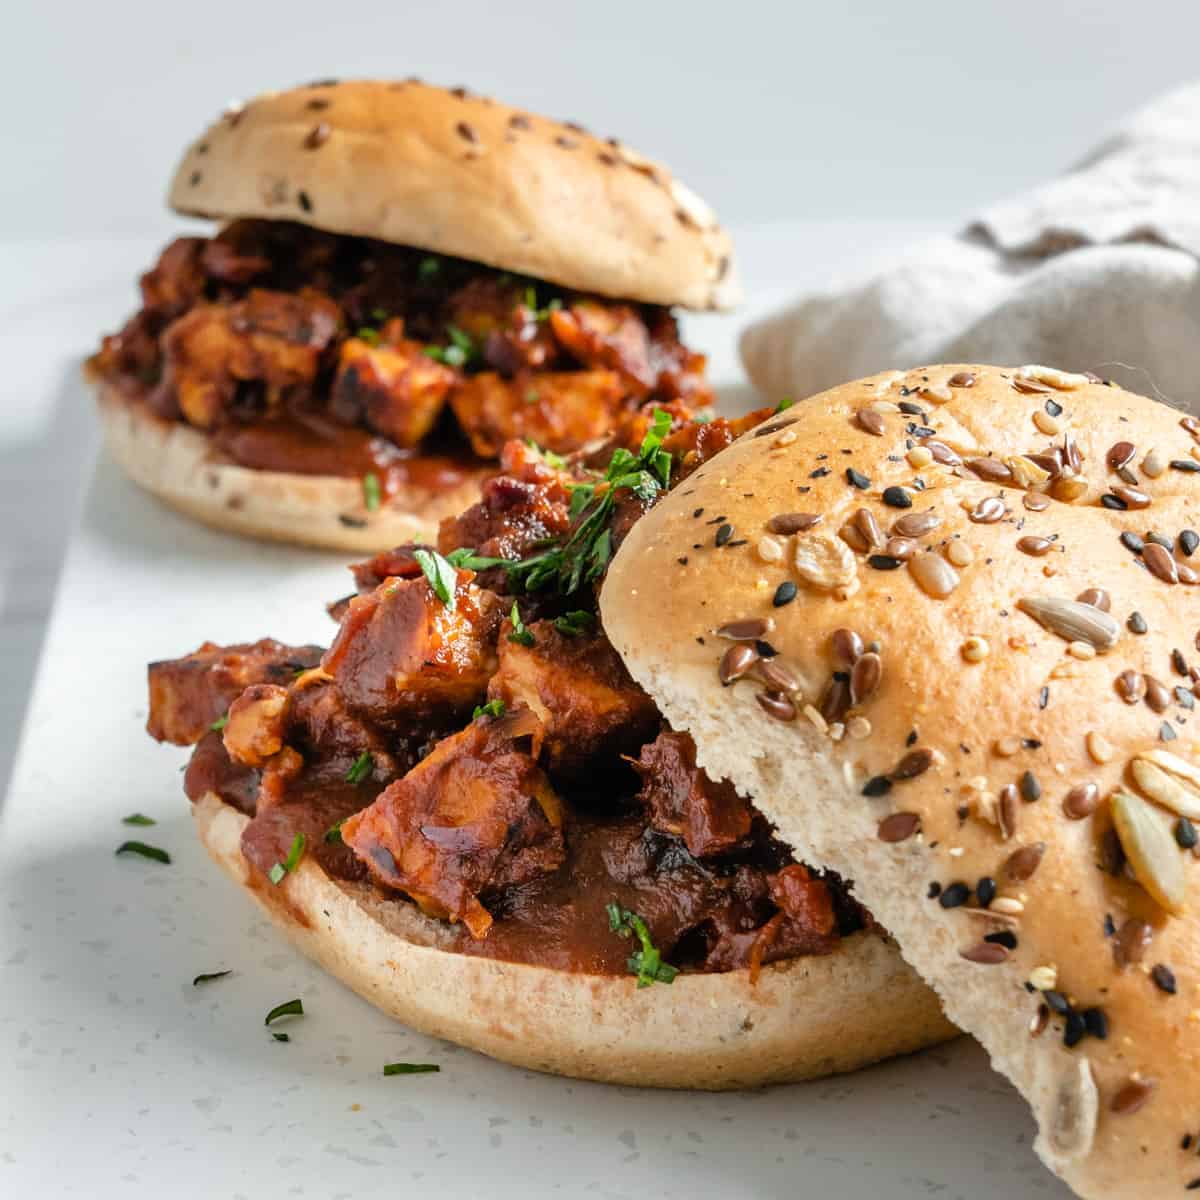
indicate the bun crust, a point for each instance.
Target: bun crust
{"x":1015,"y":721}
{"x":175,"y":463}
{"x":462,"y":175}
{"x":804,"y":1018}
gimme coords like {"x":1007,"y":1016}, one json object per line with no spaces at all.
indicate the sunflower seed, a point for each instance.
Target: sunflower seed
{"x":1168,"y":780}
{"x":1071,"y":620}
{"x":1151,"y":850}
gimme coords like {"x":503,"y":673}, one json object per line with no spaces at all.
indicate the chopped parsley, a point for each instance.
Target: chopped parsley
{"x":441,"y":573}
{"x":372,"y":493}
{"x":362,"y":767}
{"x":409,"y":1068}
{"x":292,"y":1008}
{"x":281,"y":1037}
{"x":468,"y":560}
{"x":289,"y":864}
{"x":493,"y":708}
{"x":573,"y":624}
{"x":138,"y":819}
{"x":548,"y":456}
{"x":220,"y":723}
{"x":427,"y":268}
{"x":462,"y":351}
{"x":144,"y":850}
{"x":585,"y":554}
{"x":333,"y":835}
{"x":539,"y":314}
{"x":368,"y":335}
{"x":784,"y":404}
{"x":519,"y":633}
{"x":209,"y":977}
{"x":646,"y":963}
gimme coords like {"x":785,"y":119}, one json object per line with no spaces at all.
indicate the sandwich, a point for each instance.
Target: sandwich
{"x":1018,"y":797}
{"x":403,"y":278}
{"x":468,"y":810}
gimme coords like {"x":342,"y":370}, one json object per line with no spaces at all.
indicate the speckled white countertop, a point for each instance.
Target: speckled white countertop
{"x":120,"y":1079}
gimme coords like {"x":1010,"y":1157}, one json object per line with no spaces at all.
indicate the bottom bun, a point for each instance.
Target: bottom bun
{"x":175,"y":463}
{"x":803,"y":1018}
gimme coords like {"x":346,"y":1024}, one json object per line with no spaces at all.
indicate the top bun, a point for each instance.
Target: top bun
{"x":466,"y":176}
{"x":984,"y":715}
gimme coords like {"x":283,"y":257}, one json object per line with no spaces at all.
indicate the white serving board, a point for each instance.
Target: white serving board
{"x":118,"y":1078}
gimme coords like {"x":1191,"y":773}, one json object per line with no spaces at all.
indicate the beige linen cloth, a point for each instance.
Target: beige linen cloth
{"x":1097,"y":270}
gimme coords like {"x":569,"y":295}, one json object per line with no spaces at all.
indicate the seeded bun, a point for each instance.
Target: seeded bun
{"x":179,"y":465}
{"x":462,"y":175}
{"x":803,"y":1018}
{"x":952,"y":785}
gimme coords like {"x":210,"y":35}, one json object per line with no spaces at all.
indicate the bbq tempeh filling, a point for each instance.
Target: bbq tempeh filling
{"x":472,"y":744}
{"x":298,"y":350}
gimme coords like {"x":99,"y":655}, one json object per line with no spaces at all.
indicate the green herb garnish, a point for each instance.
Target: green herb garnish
{"x":409,"y":1068}
{"x":784,"y":404}
{"x":220,"y":723}
{"x":368,"y":335}
{"x":281,"y":1037}
{"x":292,"y":1008}
{"x":467,"y":559}
{"x":441,"y":573}
{"x":585,"y":554}
{"x":461,"y":352}
{"x":428,"y":267}
{"x":209,"y":977}
{"x":372,"y":493}
{"x":333,"y":834}
{"x":493,"y":708}
{"x":145,"y":851}
{"x":289,"y":864}
{"x":361,"y":768}
{"x":379,"y":315}
{"x":573,"y":624}
{"x":138,"y":819}
{"x":519,"y":634}
{"x":646,"y":963}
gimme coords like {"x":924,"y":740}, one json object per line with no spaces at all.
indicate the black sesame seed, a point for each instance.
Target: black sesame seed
{"x":897,"y":497}
{"x":985,"y":891}
{"x":305,"y":202}
{"x":911,"y":740}
{"x":724,"y":534}
{"x":819,"y":473}
{"x":1031,"y":790}
{"x":877,"y":785}
{"x":883,"y":562}
{"x":699,"y":512}
{"x":765,"y":649}
{"x":1164,"y":978}
{"x":955,"y":895}
{"x":785,"y":593}
{"x":1096,"y":1022}
{"x":913,"y":410}
{"x":1054,"y":408}
{"x":1075,"y":1030}
{"x":1179,"y":662}
{"x":1056,"y":1002}
{"x":935,"y":890}
{"x":1186,"y":1143}
{"x":1185,"y":464}
{"x":1189,"y":539}
{"x":1185,"y":833}
{"x":1111,"y":501}
{"x":1002,"y":937}
{"x":1137,"y":623}
{"x":857,"y":479}
{"x":1043,"y":697}
{"x":1132,"y":542}
{"x":1110,"y":926}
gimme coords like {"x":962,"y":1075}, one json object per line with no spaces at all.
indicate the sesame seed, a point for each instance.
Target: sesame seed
{"x":1031,"y":790}
{"x":1185,"y":833}
{"x":1132,"y":542}
{"x":724,"y":533}
{"x":985,"y":891}
{"x":1137,"y":623}
{"x":884,"y":562}
{"x":877,"y":785}
{"x":954,"y":896}
{"x":1164,"y":978}
{"x":896,"y":497}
